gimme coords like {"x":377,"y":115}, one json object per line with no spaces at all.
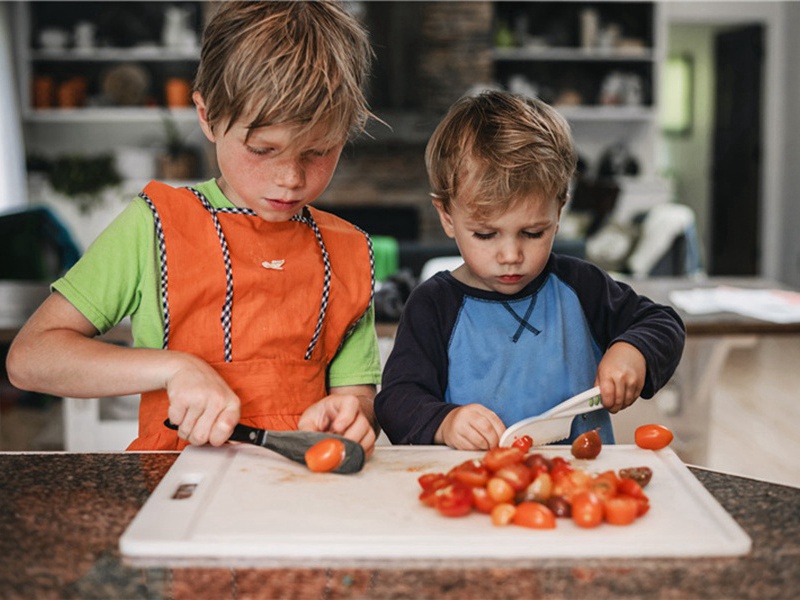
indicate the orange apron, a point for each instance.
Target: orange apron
{"x":267,"y":305}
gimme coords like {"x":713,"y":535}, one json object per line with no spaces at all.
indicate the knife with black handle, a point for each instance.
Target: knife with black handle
{"x":294,"y":444}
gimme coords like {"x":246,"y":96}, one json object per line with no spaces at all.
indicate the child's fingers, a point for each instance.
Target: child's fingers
{"x":223,"y":425}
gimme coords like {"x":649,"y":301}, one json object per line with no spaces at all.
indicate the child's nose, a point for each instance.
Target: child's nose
{"x":289,"y":174}
{"x":510,"y":252}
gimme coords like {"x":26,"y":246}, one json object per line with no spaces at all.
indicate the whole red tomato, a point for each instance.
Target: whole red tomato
{"x":534,"y":515}
{"x":325,"y":455}
{"x":652,"y":437}
{"x":587,"y":510}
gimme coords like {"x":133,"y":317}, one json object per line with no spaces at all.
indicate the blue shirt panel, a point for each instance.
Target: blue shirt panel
{"x":553,"y":358}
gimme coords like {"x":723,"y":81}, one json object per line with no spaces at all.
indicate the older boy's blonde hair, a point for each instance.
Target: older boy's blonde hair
{"x":299,"y":63}
{"x":506,"y":145}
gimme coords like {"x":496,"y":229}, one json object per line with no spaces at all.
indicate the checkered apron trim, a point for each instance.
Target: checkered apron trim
{"x":227,"y":309}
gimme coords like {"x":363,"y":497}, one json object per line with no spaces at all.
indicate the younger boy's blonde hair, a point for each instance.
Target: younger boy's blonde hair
{"x":299,"y":63}
{"x":506,"y":145}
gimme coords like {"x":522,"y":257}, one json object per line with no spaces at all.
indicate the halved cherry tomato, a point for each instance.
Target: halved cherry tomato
{"x":539,"y":490}
{"x":571,"y":483}
{"x":628,"y":487}
{"x":524,"y":443}
{"x":537,"y":463}
{"x":587,"y":510}
{"x":454,"y":499}
{"x":652,"y":437}
{"x":325,"y":455}
{"x":503,"y":513}
{"x":605,"y":484}
{"x":481,"y":500}
{"x":500,"y":490}
{"x":430,"y":482}
{"x":517,"y":474}
{"x":472,"y":472}
{"x":640,"y":475}
{"x":497,"y":458}
{"x":620,"y":510}
{"x":534,"y":515}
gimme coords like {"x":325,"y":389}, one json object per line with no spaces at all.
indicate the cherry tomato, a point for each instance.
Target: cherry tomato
{"x":620,"y":510}
{"x":534,"y":515}
{"x":652,"y":437}
{"x":587,"y":445}
{"x":503,"y":513}
{"x":571,"y":483}
{"x":454,"y":499}
{"x":540,"y":490}
{"x":605,"y":484}
{"x":497,"y":458}
{"x":524,"y":443}
{"x":560,"y":507}
{"x":587,"y":510}
{"x":500,"y":490}
{"x":483,"y":503}
{"x":517,"y":474}
{"x":628,"y":487}
{"x":430,"y":482}
{"x":537,"y":463}
{"x":471,"y":472}
{"x":640,"y":475}
{"x":325,"y":455}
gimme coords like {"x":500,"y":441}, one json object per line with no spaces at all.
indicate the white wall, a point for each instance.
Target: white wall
{"x":781,"y":65}
{"x":790,"y":249}
{"x":12,"y":157}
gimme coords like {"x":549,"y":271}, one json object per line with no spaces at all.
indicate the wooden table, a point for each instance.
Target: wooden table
{"x":685,"y":402}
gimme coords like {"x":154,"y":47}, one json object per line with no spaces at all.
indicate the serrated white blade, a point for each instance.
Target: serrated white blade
{"x":541,"y":430}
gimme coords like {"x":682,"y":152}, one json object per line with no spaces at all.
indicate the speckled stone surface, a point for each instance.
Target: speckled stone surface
{"x":61,"y":517}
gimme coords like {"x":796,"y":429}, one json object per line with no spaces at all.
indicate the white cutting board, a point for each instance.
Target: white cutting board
{"x":251,"y":503}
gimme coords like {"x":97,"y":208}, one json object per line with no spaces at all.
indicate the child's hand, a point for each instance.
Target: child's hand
{"x":470,"y":427}
{"x":620,"y":375}
{"x":344,"y":414}
{"x":200,"y":402}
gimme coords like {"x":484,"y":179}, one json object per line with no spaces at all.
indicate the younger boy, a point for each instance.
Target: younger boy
{"x":245,"y":304}
{"x":515,"y":329}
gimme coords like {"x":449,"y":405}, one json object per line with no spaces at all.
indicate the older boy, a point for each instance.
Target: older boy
{"x":246,"y":304}
{"x":515,"y":329}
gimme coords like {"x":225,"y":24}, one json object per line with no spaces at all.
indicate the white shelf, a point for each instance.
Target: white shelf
{"x":551,"y":54}
{"x":108,"y":114}
{"x":149,"y":54}
{"x":607,"y":113}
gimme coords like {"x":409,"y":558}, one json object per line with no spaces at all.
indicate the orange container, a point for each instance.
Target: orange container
{"x":177,"y":92}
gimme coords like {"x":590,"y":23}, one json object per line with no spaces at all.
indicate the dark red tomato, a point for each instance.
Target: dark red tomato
{"x":534,"y":515}
{"x":560,"y":507}
{"x":454,"y":499}
{"x":620,"y":510}
{"x":497,"y":458}
{"x":587,"y":510}
{"x":587,"y":445}
{"x":640,"y":475}
{"x":652,"y":437}
{"x":559,"y":467}
{"x":538,"y":463}
{"x":325,"y":455}
{"x":524,"y":443}
{"x":471,"y":472}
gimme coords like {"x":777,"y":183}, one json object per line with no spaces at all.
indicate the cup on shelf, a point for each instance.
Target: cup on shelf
{"x":177,"y":92}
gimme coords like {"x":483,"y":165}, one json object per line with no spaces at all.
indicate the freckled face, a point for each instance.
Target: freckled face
{"x":505,"y":252}
{"x":265,"y":173}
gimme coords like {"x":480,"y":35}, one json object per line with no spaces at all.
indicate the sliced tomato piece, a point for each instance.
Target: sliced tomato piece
{"x":605,"y":484}
{"x":503,"y":513}
{"x":472,"y":472}
{"x":500,"y":490}
{"x":534,"y":515}
{"x":620,"y":510}
{"x":524,"y":443}
{"x":454,"y":499}
{"x":517,"y":474}
{"x":497,"y":458}
{"x":483,"y":503}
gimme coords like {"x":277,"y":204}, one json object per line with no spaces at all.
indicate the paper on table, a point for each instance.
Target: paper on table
{"x":776,"y":306}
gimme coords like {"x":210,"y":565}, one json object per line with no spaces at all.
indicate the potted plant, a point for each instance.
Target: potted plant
{"x":179,"y":160}
{"x":80,"y":179}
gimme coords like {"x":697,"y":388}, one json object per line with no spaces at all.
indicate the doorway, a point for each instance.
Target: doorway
{"x":737,"y":153}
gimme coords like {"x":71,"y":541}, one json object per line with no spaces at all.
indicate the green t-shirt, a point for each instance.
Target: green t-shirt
{"x":118,"y":276}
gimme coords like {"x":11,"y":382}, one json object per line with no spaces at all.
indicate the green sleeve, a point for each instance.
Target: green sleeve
{"x":358,"y":361}
{"x":116,"y":277}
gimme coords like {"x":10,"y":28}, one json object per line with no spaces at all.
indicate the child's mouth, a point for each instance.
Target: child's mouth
{"x":282,"y":205}
{"x":510,"y":278}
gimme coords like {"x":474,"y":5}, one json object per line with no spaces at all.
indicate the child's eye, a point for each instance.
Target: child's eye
{"x":483,"y":236}
{"x":317,"y":153}
{"x":534,"y":235}
{"x":260,"y":151}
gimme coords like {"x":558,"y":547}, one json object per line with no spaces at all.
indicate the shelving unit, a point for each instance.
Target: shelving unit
{"x":597,"y":62}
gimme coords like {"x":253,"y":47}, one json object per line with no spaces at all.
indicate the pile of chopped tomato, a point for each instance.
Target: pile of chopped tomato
{"x":532,"y":490}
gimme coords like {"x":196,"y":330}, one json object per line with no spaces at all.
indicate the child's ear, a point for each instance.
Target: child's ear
{"x":202,"y":116}
{"x":445,"y":219}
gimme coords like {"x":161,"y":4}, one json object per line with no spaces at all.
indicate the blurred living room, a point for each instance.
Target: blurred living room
{"x":688,"y":141}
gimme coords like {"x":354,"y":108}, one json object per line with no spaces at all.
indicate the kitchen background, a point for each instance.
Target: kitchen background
{"x":677,"y":104}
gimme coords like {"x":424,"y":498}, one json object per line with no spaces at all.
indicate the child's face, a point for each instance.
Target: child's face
{"x":265,"y":173}
{"x":505,"y":252}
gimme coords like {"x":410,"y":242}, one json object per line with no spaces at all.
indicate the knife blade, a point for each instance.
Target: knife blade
{"x":294,"y":444}
{"x":555,"y":424}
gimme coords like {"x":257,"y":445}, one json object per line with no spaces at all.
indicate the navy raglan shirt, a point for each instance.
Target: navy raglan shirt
{"x":518,"y":355}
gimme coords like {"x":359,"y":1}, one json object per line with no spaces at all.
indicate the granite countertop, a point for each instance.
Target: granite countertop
{"x":62,"y":514}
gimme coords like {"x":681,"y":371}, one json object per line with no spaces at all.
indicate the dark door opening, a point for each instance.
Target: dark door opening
{"x":736,"y":171}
